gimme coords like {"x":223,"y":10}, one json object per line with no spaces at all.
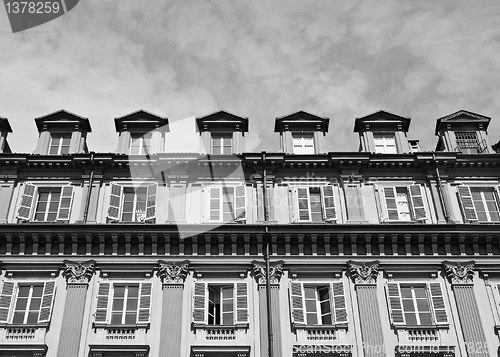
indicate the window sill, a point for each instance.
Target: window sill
{"x":41,"y":325}
{"x":111,"y":326}
{"x":320,"y":327}
{"x":215,"y":327}
{"x":422,"y":327}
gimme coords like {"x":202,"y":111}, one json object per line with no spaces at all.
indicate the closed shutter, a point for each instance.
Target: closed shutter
{"x":101,"y":311}
{"x":339,"y":304}
{"x":49,"y":289}
{"x":240,"y":203}
{"x":115,"y":202}
{"x":151,"y":201}
{"x":241,"y":303}
{"x":395,"y":304}
{"x":144,"y":303}
{"x":215,"y":204}
{"x":417,"y":202}
{"x":328,"y":202}
{"x":302,"y":204}
{"x":27,"y":201}
{"x":297,"y":303}
{"x":6,"y":300}
{"x":200,"y":303}
{"x":391,"y":207}
{"x":467,"y":203}
{"x":65,"y":203}
{"x":438,"y":306}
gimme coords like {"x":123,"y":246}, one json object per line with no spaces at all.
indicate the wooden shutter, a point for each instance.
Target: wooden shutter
{"x":115,"y":202}
{"x":497,"y":189}
{"x":200,"y":302}
{"x":438,"y":306}
{"x":101,"y":311}
{"x":302,"y":204}
{"x":297,"y":303}
{"x":391,"y":207}
{"x":143,"y":312}
{"x":395,"y":304}
{"x":65,"y":203}
{"x":27,"y":201}
{"x":328,"y":203}
{"x":151,"y":201}
{"x":241,"y":303}
{"x":240,"y":203}
{"x":417,"y":202}
{"x":6,"y":300}
{"x":468,"y":208}
{"x":339,"y":304}
{"x":49,"y":289}
{"x":215,"y":204}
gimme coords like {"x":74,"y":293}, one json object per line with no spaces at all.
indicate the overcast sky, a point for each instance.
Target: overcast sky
{"x":258,"y":59}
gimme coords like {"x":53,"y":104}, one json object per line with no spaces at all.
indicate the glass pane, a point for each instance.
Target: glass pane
{"x":311,"y":305}
{"x":119,"y":291}
{"x":325,"y":307}
{"x":227,"y":319}
{"x":130,"y":318}
{"x":423,"y":305}
{"x":21,"y":304}
{"x":408,"y":305}
{"x":310,"y":293}
{"x":132,"y":304}
{"x":326,"y":319}
{"x":51,"y":216}
{"x":32,"y":317}
{"x":406,"y":292}
{"x":323,"y":294}
{"x":23,"y":291}
{"x":118,"y":305}
{"x":127,"y":217}
{"x":420,"y":292}
{"x":133,"y":291}
{"x":227,"y":305}
{"x":18,"y":318}
{"x":425,"y":319}
{"x":312,"y":319}
{"x":35,"y":303}
{"x":116,"y":318}
{"x":411,"y":319}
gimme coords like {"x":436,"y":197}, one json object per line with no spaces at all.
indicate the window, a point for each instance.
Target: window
{"x":132,"y":204}
{"x":480,"y":204}
{"x":123,"y":303}
{"x":402,"y":204}
{"x":220,"y":304}
{"x":467,"y":142}
{"x":45,"y":204}
{"x":222,"y":144}
{"x":25,"y":303}
{"x":385,"y":143}
{"x":318,"y":304}
{"x":227,"y":204}
{"x":140,"y":144}
{"x":416,"y":304}
{"x":314,"y":204}
{"x":59,"y":144}
{"x":303,"y":144}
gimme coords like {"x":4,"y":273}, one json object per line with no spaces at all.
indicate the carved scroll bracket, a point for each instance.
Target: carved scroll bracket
{"x":275,"y":272}
{"x":459,"y":272}
{"x":78,"y":273}
{"x":364,"y":272}
{"x":173,"y":272}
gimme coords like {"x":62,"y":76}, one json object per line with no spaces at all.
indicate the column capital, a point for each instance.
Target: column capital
{"x":364,"y":272}
{"x":459,"y":272}
{"x":173,"y":272}
{"x":78,"y":273}
{"x":275,"y":272}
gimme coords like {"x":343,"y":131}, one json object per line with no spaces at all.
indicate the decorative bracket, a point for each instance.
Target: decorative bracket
{"x":364,"y":272}
{"x":78,"y":273}
{"x":459,"y":272}
{"x":173,"y":272}
{"x":275,"y":272}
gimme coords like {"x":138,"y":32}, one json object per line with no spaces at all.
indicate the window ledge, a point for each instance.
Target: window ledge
{"x":320,"y":327}
{"x":131,"y":327}
{"x":41,"y":325}
{"x":217,"y":327}
{"x":422,"y":327}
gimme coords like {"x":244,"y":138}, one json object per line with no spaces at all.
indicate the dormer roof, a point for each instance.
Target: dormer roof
{"x":382,"y":120}
{"x":462,"y":117}
{"x":4,"y":124}
{"x":62,"y":119}
{"x":301,"y":121}
{"x":222,"y":121}
{"x":140,"y":120}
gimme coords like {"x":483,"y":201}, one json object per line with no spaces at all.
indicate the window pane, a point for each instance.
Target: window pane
{"x":406,"y":292}
{"x":119,"y":291}
{"x":325,"y":307}
{"x":411,"y":319}
{"x":116,"y":318}
{"x":133,"y":291}
{"x":312,"y":319}
{"x":21,"y":304}
{"x":132,"y":304}
{"x":23,"y":291}
{"x":310,"y":305}
{"x":130,"y":318}
{"x":425,"y":319}
{"x":420,"y":292}
{"x":227,"y":319}
{"x":32,"y":317}
{"x":310,"y":292}
{"x":18,"y":318}
{"x":327,"y":319}
{"x":408,"y":305}
{"x":118,"y":305}
{"x":35,"y":303}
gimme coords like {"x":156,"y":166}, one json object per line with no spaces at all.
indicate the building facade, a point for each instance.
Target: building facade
{"x":389,"y":251}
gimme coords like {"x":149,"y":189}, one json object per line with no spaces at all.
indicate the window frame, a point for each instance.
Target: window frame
{"x":60,"y":137}
{"x":468,"y":205}
{"x":221,"y":137}
{"x":416,"y":199}
{"x":464,"y":143}
{"x":116,"y":199}
{"x":144,"y":143}
{"x":385,"y":137}
{"x":299,"y":136}
{"x":328,"y":203}
{"x":239,"y":203}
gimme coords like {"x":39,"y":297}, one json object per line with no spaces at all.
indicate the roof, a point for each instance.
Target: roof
{"x":462,"y":117}
{"x":222,"y":120}
{"x":62,"y":118}
{"x":382,"y":119}
{"x":4,"y":123}
{"x":140,"y":119}
{"x":301,"y":121}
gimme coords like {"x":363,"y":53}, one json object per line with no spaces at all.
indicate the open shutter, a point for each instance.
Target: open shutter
{"x":328,"y":202}
{"x":101,"y":311}
{"x":395,"y":304}
{"x":49,"y":289}
{"x":215,"y":204}
{"x":497,"y":189}
{"x":240,"y":203}
{"x":302,"y":203}
{"x":391,"y":207}
{"x":297,"y":303}
{"x":468,"y":208}
{"x":241,"y":303}
{"x":27,"y":201}
{"x":417,"y":202}
{"x":438,"y":306}
{"x":339,"y":305}
{"x":65,"y":203}
{"x":200,"y":302}
{"x":144,"y":303}
{"x":6,"y":300}
{"x":115,"y":202}
{"x":151,"y":201}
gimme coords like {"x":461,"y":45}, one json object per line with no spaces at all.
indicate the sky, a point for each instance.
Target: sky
{"x":259,"y":59}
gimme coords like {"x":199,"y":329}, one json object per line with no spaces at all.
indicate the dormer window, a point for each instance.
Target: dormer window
{"x":140,"y":144}
{"x":303,"y":143}
{"x":222,"y":144}
{"x":59,"y":144}
{"x":468,"y":143}
{"x":385,"y":143}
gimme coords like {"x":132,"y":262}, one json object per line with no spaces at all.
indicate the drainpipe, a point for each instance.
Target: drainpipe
{"x":91,"y":182}
{"x":266,"y":258}
{"x":440,"y":190}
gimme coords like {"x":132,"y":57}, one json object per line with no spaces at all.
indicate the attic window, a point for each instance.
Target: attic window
{"x":468,"y":143}
{"x":303,"y":143}
{"x":385,"y":143}
{"x":222,"y":144}
{"x":59,"y":144}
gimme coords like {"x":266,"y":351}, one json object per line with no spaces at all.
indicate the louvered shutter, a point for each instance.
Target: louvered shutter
{"x":395,"y":304}
{"x":65,"y":203}
{"x":215,"y":204}
{"x":328,"y":202}
{"x":6,"y":300}
{"x":144,"y":303}
{"x":27,"y":201}
{"x":49,"y":289}
{"x":240,"y":203}
{"x":391,"y":206}
{"x":297,"y":303}
{"x":303,"y":204}
{"x":339,"y":304}
{"x":151,"y":201}
{"x":417,"y":202}
{"x":497,"y":189}
{"x":115,"y":202}
{"x":438,"y":306}
{"x":241,"y":303}
{"x":468,"y":208}
{"x":200,"y":303}
{"x":101,"y":311}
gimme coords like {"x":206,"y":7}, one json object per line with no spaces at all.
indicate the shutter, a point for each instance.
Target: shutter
{"x":214,"y":204}
{"x":27,"y":201}
{"x":115,"y":202}
{"x":241,"y":303}
{"x":297,"y":303}
{"x":48,"y":295}
{"x":151,"y":201}
{"x":417,"y":202}
{"x":497,"y":189}
{"x":240,"y":203}
{"x":391,"y":207}
{"x":65,"y":203}
{"x":144,"y":303}
{"x":6,"y":300}
{"x":339,"y":304}
{"x":328,"y":202}
{"x":101,"y":310}
{"x":200,"y":302}
{"x":303,"y":204}
{"x":467,"y":203}
{"x":437,"y":299}
{"x":395,"y":304}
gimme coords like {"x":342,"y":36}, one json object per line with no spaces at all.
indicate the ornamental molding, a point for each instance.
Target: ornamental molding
{"x":78,"y":273}
{"x":173,"y":272}
{"x":275,"y":272}
{"x":459,"y":272}
{"x":364,"y":272}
